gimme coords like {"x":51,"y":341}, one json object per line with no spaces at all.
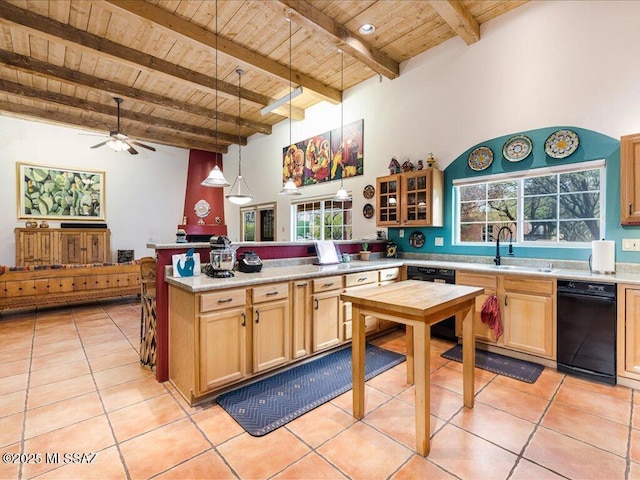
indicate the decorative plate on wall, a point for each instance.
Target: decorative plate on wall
{"x":480,"y":158}
{"x":202,"y":208}
{"x":561,"y":144}
{"x":367,"y":210}
{"x":416,"y":239}
{"x":517,"y":148}
{"x":368,"y":192}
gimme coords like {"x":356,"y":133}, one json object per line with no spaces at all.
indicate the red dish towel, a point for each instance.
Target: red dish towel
{"x":490,"y":315}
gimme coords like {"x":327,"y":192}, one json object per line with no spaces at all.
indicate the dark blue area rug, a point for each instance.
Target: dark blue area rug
{"x":267,"y":404}
{"x":500,"y":364}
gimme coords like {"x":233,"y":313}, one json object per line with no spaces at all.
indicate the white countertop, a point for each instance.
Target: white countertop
{"x":269,"y":274}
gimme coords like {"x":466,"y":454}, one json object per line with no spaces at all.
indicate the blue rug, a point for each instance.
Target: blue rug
{"x":500,"y":364}
{"x":263,"y":406}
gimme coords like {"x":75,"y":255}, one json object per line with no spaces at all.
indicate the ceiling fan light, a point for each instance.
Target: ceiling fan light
{"x":215,"y":179}
{"x":118,"y":145}
{"x":342,"y":196}
{"x":290,"y":188}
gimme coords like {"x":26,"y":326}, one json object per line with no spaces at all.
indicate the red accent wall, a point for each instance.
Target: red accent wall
{"x":200,"y":164}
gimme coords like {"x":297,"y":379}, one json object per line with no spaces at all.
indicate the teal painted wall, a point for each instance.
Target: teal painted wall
{"x":593,"y":146}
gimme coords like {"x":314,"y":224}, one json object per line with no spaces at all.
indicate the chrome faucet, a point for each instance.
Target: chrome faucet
{"x":496,"y":260}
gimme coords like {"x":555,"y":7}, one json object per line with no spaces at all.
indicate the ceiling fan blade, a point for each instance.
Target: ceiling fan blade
{"x":101,"y":144}
{"x":131,"y":150}
{"x":142,"y":145}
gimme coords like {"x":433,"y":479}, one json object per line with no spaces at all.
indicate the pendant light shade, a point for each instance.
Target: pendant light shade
{"x":290,"y":187}
{"x":342,"y":195}
{"x":216,"y":177}
{"x":236,"y":194}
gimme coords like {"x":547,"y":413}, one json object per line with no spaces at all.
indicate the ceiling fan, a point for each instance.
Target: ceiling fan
{"x":119,"y":141}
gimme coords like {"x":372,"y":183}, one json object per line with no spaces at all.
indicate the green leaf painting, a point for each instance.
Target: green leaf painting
{"x":57,"y":193}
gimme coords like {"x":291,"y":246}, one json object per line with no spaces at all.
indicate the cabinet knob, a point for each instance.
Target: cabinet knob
{"x":244,"y":319}
{"x":270,"y":294}
{"x":226,"y":300}
{"x":257,"y":316}
{"x":317,"y":304}
{"x":300,"y":285}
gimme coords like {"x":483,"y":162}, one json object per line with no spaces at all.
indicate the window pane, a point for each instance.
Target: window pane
{"x":580,"y":205}
{"x":473,"y":192}
{"x":580,"y":230}
{"x":502,"y":189}
{"x":473,"y":211}
{"x":502,"y":210}
{"x":541,"y":185}
{"x":586,"y":181}
{"x":471,"y":232}
{"x":540,"y":208}
{"x":537,"y":231}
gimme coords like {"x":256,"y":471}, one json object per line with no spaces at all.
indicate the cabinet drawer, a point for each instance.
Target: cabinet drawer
{"x":389,"y":274}
{"x":529,"y":285}
{"x":362,"y":278}
{"x":224,"y":299}
{"x":477,"y":280}
{"x":325,"y":284}
{"x":266,"y":293}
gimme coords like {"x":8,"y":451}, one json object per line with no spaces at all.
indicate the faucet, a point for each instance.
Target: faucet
{"x":496,"y":260}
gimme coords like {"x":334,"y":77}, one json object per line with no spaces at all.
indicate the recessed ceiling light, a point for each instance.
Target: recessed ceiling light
{"x":367,"y":29}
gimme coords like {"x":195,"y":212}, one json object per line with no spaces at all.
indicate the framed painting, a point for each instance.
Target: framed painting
{"x":59,"y":193}
{"x":347,"y":156}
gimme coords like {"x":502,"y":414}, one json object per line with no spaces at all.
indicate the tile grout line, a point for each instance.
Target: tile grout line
{"x":627,"y":471}
{"x":26,"y":396}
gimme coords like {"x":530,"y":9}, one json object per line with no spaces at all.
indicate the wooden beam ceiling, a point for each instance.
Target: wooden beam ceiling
{"x":458,"y":18}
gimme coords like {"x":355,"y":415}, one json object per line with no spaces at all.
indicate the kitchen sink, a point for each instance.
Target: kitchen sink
{"x":519,"y":268}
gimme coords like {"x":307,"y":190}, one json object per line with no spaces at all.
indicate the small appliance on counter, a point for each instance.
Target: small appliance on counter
{"x":222,"y":257}
{"x":249,"y":262}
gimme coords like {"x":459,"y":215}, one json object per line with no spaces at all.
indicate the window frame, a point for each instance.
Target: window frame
{"x":520,"y":176}
{"x":346,"y":226}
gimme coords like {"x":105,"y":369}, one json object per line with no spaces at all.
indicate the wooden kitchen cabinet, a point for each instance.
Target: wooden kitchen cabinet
{"x":529,"y":315}
{"x":410,"y":198}
{"x":326,"y":314}
{"x":271,"y":343}
{"x":35,"y":246}
{"x":630,"y":179}
{"x":628,"y":336}
{"x":301,"y":318}
{"x":79,"y":246}
{"x":355,"y":281}
{"x":527,"y":310}
{"x":489,"y":282}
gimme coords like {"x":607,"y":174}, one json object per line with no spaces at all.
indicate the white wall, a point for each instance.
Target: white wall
{"x":144,"y":192}
{"x":544,"y":64}
{"x":572,"y":63}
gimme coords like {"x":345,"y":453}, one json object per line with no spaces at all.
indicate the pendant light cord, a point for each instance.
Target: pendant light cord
{"x":342,"y":116}
{"x":239,"y":72}
{"x":290,"y":83}
{"x":216,"y":86}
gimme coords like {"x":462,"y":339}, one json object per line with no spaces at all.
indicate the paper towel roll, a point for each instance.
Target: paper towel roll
{"x":603,"y":256}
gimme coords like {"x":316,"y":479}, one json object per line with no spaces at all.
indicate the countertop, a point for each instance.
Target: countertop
{"x":283,"y":273}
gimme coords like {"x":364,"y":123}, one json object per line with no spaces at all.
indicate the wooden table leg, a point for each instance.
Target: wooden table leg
{"x":410,"y":362}
{"x":468,"y":357}
{"x":358,"y":361}
{"x":422,"y":377}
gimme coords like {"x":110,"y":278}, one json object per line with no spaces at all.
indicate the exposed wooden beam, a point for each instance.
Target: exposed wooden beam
{"x":38,"y":67}
{"x":177,"y":140}
{"x":202,"y":36}
{"x":76,"y":38}
{"x":458,"y":18}
{"x":305,"y":14}
{"x":86,"y":105}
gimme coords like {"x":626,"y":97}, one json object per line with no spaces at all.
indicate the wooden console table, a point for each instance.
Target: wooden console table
{"x":418,"y":305}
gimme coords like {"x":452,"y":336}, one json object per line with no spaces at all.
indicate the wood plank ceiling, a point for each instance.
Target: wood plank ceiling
{"x":63,"y":61}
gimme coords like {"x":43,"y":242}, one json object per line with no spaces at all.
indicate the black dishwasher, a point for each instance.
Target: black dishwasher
{"x":445,"y":329}
{"x":587,"y":330}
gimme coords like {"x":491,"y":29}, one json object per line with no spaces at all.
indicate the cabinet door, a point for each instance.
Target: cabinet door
{"x":632,"y":333}
{"x":27,"y":248}
{"x":71,"y":247}
{"x":223,"y":348}
{"x":416,"y":198}
{"x":528,"y":324}
{"x":271,"y":341}
{"x":482,"y":331}
{"x":630,"y":176}
{"x":95,"y":247}
{"x":388,"y":200}
{"x":46,"y":253}
{"x":326,"y":320}
{"x":301,"y":318}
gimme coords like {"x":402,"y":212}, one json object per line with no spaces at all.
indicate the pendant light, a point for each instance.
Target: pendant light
{"x":239,"y":198}
{"x":290,"y":187}
{"x":342,"y":195}
{"x":216,"y":177}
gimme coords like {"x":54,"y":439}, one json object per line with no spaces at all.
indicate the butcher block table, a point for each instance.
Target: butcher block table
{"x":418,"y":305}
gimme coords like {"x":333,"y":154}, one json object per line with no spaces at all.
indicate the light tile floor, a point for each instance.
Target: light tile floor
{"x":70,"y":382}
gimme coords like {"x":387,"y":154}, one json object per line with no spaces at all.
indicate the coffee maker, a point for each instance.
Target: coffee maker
{"x":222,"y":257}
